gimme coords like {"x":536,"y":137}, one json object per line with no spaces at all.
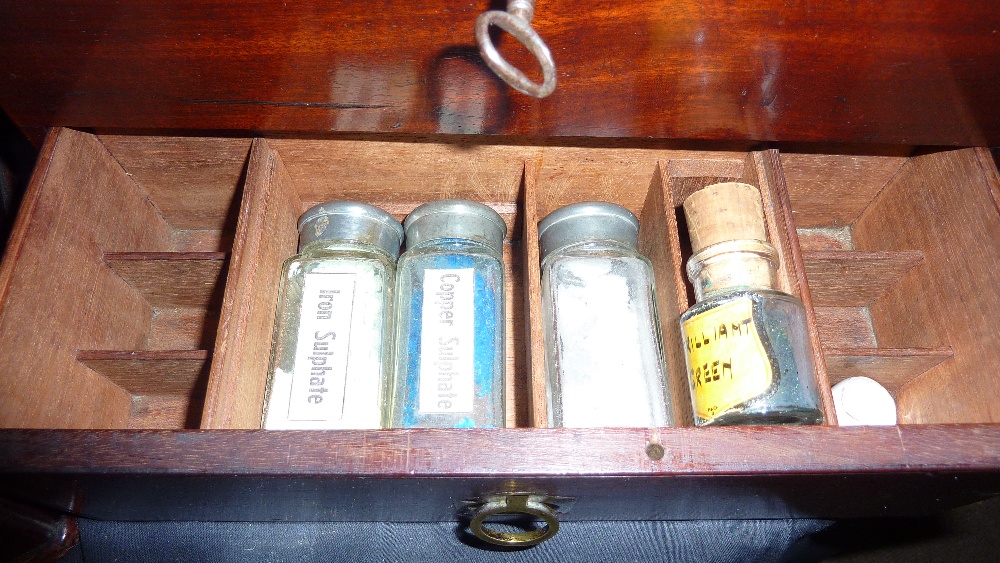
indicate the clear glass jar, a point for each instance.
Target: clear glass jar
{"x":331,"y":356}
{"x":450,"y":319}
{"x":603,"y":349}
{"x":747,"y":348}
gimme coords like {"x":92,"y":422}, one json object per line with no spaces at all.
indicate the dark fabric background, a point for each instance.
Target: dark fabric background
{"x":694,"y":541}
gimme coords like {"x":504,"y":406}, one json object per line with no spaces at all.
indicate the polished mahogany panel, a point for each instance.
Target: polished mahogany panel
{"x":897,"y":71}
{"x":426,"y":475}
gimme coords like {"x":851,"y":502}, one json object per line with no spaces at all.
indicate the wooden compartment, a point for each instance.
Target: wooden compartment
{"x":653,"y":185}
{"x":113,"y":279}
{"x":285,"y":177}
{"x":901,"y":254}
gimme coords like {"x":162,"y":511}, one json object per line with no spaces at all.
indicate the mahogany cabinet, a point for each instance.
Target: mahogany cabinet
{"x":137,"y":291}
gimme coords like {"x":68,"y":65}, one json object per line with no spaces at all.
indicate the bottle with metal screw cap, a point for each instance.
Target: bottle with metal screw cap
{"x":331,"y":358}
{"x":604,"y":364}
{"x":747,"y":347}
{"x":450,"y":318}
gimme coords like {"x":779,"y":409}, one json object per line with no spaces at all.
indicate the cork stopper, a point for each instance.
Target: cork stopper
{"x":724,"y":212}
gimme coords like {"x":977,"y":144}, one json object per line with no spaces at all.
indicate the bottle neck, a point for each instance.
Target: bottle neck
{"x":735,"y":264}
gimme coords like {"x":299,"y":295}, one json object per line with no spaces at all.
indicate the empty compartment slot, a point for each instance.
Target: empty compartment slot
{"x":902,"y":274}
{"x":286,"y":177}
{"x":113,"y":283}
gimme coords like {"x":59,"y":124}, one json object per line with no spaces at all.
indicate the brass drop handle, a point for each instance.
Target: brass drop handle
{"x":525,"y":504}
{"x":517,"y":22}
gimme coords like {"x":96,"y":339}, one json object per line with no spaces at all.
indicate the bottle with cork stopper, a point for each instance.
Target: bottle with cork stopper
{"x":747,"y":349}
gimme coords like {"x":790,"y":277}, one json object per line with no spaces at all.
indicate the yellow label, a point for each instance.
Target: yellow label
{"x":727,"y":363}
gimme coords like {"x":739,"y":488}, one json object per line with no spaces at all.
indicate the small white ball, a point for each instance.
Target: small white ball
{"x":861,"y":401}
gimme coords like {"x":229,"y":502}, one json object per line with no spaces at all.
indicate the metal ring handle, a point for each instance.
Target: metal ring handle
{"x":514,"y":504}
{"x":521,"y":29}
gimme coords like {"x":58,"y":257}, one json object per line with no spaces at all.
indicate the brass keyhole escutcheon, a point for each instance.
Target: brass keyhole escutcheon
{"x":522,"y":504}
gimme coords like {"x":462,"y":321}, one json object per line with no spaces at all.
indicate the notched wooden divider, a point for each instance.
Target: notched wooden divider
{"x":108,"y":312}
{"x":944,"y":205}
{"x":892,"y":367}
{"x":179,"y":286}
{"x":903,"y":284}
{"x":173,"y":279}
{"x":849,"y":278}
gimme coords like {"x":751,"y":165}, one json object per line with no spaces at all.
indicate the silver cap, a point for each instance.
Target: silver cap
{"x":455,"y":218}
{"x":351,"y":221}
{"x":587,"y":221}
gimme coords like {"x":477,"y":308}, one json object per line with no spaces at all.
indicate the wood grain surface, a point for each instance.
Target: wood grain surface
{"x":476,"y":452}
{"x":266,"y":236}
{"x":173,"y":279}
{"x":831,"y":190}
{"x":59,"y":296}
{"x":183,"y":328}
{"x":538,"y":410}
{"x":942,"y":204}
{"x":847,"y":278}
{"x":845,"y":327}
{"x":891,"y":367}
{"x":193,"y":181}
{"x":901,"y":72}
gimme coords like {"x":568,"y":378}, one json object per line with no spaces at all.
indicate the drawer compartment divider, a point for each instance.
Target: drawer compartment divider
{"x":150,"y":372}
{"x":892,"y":367}
{"x":173,"y":279}
{"x":854,"y":278}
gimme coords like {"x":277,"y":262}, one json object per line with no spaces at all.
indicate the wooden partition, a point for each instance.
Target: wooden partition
{"x":112,"y":283}
{"x":901,"y":257}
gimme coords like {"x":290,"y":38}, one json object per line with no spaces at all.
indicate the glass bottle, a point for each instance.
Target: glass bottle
{"x":603,"y":350}
{"x":331,"y":357}
{"x":747,"y":348}
{"x":450,"y":318}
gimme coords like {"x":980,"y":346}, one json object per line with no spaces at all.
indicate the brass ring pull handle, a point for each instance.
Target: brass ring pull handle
{"x":517,"y":22}
{"x":514,"y":504}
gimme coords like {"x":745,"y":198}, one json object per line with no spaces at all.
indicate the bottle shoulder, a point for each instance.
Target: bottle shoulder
{"x":760,"y":296}
{"x":445,"y":252}
{"x":591,"y":250}
{"x":340,"y":257}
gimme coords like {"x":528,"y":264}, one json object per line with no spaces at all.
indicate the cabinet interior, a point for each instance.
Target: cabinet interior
{"x":140,"y":284}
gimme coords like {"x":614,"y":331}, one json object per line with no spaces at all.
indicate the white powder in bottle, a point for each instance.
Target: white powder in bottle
{"x":604,"y":343}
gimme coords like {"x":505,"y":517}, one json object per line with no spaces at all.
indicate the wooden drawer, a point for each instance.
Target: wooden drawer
{"x":138,"y":295}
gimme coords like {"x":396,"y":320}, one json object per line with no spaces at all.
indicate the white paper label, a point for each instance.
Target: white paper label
{"x":447,"y":342}
{"x":321,"y":352}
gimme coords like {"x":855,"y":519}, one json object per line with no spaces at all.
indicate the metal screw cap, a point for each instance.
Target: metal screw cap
{"x":455,"y":218}
{"x":587,"y":221}
{"x":351,"y":221}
